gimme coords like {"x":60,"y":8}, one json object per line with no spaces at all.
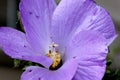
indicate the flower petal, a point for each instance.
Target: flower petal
{"x":36,"y":17}
{"x":86,"y":43}
{"x":90,"y":48}
{"x":66,"y":18}
{"x":15,"y":45}
{"x":14,"y":42}
{"x":86,"y":71}
{"x":66,"y":72}
{"x":99,"y":19}
{"x":85,"y":14}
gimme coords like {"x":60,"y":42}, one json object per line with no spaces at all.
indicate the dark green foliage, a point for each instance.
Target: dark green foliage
{"x":111,"y":74}
{"x":23,"y":64}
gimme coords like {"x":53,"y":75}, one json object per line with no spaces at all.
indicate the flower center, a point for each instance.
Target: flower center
{"x":55,"y":56}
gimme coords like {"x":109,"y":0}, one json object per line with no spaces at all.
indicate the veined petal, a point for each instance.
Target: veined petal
{"x":15,"y":45}
{"x":85,"y":44}
{"x":71,"y":16}
{"x":88,"y":71}
{"x":90,"y":48}
{"x":36,"y":18}
{"x":66,"y":72}
{"x":14,"y":42}
{"x":66,"y":18}
{"x":98,"y":19}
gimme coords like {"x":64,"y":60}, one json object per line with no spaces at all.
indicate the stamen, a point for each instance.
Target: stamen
{"x":54,"y":55}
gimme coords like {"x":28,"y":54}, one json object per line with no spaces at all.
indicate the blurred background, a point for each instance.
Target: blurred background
{"x":8,"y":17}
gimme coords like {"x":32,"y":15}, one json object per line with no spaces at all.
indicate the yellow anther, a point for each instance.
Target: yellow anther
{"x":56,"y":59}
{"x":54,"y":55}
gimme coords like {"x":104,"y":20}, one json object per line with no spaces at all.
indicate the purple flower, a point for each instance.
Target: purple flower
{"x":75,"y":35}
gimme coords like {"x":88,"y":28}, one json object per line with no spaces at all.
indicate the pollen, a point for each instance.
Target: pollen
{"x":56,"y":59}
{"x":55,"y":56}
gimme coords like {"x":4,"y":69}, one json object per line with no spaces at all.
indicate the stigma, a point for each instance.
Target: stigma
{"x":55,"y":56}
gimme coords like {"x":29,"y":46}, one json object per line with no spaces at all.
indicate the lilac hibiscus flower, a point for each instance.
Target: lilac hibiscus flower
{"x":70,"y":40}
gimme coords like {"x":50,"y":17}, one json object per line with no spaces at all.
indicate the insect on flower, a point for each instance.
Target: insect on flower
{"x":70,"y":40}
